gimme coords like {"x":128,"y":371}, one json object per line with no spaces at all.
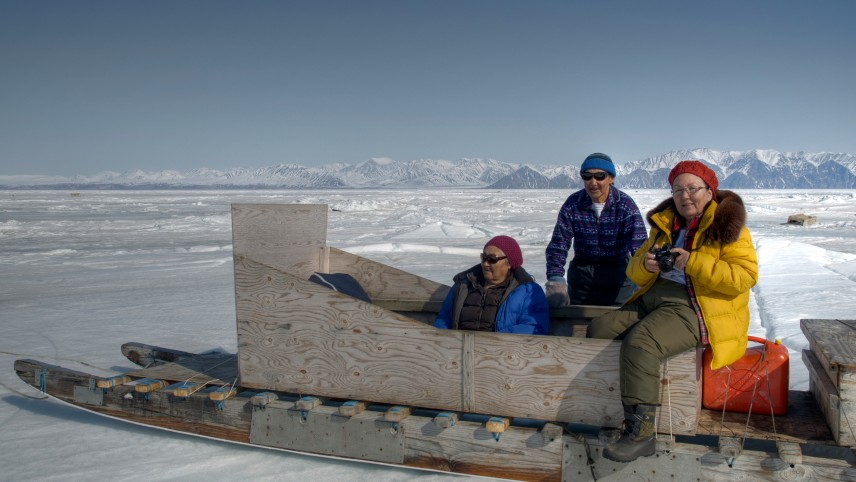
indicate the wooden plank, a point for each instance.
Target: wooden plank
{"x":415,"y":306}
{"x":297,"y":336}
{"x":565,"y":321}
{"x":195,"y":414}
{"x":574,"y":320}
{"x":751,"y":465}
{"x":811,"y":328}
{"x":580,"y":312}
{"x":206,"y":369}
{"x":832,"y":370}
{"x":573,"y":380}
{"x":291,"y":237}
{"x":824,"y":391}
{"x":838,"y":412}
{"x":53,"y":379}
{"x":575,"y":314}
{"x":465,"y":447}
{"x":218,"y":394}
{"x":351,"y":408}
{"x":385,"y":282}
{"x":113,"y":381}
{"x":804,"y":423}
{"x":468,"y":389}
{"x":149,"y":385}
{"x":468,"y":448}
{"x":833,"y":343}
{"x":146,"y":355}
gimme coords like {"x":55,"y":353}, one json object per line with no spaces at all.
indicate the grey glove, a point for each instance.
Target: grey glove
{"x":557,"y":292}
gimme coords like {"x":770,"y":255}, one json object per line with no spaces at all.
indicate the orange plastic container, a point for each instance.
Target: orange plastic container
{"x":758,"y":381}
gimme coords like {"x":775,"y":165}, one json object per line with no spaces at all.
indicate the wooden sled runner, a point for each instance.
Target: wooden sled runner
{"x":321,"y":372}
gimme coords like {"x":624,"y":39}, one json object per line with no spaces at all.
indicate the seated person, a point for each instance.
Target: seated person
{"x":694,"y":289}
{"x":497,"y":295}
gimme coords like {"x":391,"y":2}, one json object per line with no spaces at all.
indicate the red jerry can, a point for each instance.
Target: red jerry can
{"x":758,"y":381}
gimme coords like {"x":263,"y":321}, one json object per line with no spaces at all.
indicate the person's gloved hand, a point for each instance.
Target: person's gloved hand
{"x":557,"y":291}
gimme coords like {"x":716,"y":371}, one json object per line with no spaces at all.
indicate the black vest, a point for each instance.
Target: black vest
{"x":481,"y":305}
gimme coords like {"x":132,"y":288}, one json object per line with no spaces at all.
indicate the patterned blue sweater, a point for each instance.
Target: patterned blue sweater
{"x":619,"y":231}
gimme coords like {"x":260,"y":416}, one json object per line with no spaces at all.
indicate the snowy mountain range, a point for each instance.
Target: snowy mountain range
{"x":762,"y":169}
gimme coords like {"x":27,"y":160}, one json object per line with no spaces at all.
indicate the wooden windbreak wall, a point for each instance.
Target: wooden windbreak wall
{"x":290,"y":237}
{"x":300,"y":337}
{"x":293,"y":239}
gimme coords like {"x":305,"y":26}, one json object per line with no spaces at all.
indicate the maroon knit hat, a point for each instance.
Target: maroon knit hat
{"x":511,"y":249}
{"x":697,"y":168}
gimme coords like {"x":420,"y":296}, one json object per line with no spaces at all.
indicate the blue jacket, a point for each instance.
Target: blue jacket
{"x":523,"y":309}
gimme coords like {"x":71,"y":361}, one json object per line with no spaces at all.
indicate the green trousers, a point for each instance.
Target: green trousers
{"x":660,"y":324}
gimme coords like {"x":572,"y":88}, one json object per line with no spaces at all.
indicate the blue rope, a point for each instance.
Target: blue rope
{"x":43,"y":380}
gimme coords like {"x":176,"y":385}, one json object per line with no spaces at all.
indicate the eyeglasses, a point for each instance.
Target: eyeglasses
{"x":692,"y":190}
{"x":491,"y":259}
{"x":600,"y":176}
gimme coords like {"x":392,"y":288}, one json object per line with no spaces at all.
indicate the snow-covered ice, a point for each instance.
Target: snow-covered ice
{"x":80,"y":275}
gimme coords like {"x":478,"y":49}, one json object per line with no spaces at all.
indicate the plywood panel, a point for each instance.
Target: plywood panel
{"x":291,"y":237}
{"x":297,"y":336}
{"x":574,"y":380}
{"x":835,"y":409}
{"x":833,"y":343}
{"x":385,"y":282}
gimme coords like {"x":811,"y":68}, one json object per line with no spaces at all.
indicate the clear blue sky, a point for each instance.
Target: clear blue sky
{"x":89,"y":86}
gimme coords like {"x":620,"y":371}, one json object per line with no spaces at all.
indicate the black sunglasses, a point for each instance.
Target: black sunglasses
{"x":600,"y":176}
{"x":491,"y":259}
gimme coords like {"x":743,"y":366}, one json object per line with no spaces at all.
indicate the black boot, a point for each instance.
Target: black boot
{"x":638,"y":438}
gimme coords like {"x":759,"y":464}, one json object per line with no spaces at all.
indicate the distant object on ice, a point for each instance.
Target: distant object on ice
{"x":802,"y":219}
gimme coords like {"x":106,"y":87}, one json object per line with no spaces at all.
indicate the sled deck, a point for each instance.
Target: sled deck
{"x":420,"y":438}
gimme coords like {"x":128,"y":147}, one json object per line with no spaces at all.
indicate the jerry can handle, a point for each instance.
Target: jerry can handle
{"x":763,"y":341}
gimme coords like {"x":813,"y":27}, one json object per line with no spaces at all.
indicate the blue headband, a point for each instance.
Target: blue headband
{"x":598,"y":163}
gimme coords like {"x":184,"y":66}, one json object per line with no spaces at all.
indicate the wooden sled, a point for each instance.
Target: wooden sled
{"x":323,"y":373}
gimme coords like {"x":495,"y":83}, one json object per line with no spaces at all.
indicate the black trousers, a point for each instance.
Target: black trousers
{"x":598,"y":284}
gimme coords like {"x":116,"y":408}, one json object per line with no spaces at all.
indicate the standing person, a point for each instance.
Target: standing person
{"x":606,"y":228}
{"x":694,"y":272}
{"x":496,"y":295}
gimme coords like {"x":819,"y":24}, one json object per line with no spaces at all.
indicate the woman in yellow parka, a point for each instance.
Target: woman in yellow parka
{"x":694,"y":274}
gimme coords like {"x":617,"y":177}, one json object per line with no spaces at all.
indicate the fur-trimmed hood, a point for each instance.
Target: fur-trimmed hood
{"x":728,"y":219}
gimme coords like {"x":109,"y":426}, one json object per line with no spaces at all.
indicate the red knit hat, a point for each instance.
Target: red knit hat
{"x":511,"y":249}
{"x":697,"y":168}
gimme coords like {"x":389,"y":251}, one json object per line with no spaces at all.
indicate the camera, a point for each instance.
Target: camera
{"x":665,"y":258}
